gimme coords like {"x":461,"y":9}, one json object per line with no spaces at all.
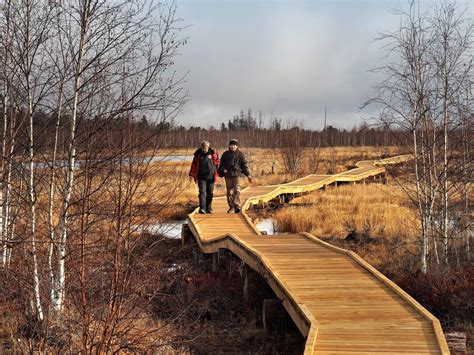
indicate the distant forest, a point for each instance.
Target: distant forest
{"x":278,"y":133}
{"x":249,"y":130}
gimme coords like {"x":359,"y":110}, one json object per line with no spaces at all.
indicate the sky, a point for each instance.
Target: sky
{"x":285,"y":58}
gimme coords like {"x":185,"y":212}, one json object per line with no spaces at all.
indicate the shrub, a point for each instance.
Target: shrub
{"x":448,"y":295}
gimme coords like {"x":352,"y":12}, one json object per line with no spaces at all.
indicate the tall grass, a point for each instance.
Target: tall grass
{"x":372,"y":210}
{"x":261,"y":163}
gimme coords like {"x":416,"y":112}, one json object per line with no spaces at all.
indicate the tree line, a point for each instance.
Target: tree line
{"x":280,"y":135}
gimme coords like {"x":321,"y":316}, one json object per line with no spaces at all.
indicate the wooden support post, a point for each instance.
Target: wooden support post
{"x":457,"y":342}
{"x":274,"y":314}
{"x":186,"y":235}
{"x":249,"y":283}
{"x":215,"y":262}
{"x":196,"y":256}
{"x":245,"y":290}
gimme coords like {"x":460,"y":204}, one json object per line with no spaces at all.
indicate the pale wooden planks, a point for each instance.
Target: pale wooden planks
{"x":337,"y":300}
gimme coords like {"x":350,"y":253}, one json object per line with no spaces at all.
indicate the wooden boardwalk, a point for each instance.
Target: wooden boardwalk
{"x":339,"y":302}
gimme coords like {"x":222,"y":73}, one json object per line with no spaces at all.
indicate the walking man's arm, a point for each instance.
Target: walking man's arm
{"x":244,"y":168}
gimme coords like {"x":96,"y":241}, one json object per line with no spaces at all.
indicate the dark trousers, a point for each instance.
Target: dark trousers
{"x":206,"y":192}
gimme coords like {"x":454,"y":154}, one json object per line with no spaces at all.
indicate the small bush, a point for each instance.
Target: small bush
{"x":448,"y":295}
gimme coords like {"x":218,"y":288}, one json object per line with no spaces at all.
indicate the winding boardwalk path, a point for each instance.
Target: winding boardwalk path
{"x":340,"y":303}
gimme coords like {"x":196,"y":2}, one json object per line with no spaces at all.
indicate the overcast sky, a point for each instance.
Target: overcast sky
{"x":286,"y":58}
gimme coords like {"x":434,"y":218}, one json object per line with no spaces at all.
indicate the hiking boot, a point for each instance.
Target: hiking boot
{"x":237,"y":210}
{"x":201,"y":211}
{"x":230,"y":210}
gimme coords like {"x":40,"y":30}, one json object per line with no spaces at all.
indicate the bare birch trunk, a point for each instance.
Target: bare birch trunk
{"x":30,"y":47}
{"x":52,"y":189}
{"x":3,"y":231}
{"x":8,"y":231}
{"x":445,"y":166}
{"x":32,"y":201}
{"x":6,"y":104}
{"x":424,"y":242}
{"x":59,"y":289}
{"x":466,"y":177}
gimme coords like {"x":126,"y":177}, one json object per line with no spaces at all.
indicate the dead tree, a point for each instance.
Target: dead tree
{"x":292,"y":152}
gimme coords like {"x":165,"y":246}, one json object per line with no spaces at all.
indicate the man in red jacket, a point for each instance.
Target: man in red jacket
{"x":204,"y":172}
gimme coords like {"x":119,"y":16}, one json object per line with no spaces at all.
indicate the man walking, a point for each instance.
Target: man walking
{"x":204,"y":172}
{"x":233,"y":165}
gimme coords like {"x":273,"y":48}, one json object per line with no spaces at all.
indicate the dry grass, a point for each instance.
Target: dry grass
{"x":165,"y":191}
{"x":261,"y":160}
{"x":372,"y":209}
{"x":260,"y":164}
{"x":374,"y":219}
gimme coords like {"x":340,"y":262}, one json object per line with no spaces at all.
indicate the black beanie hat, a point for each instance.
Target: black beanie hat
{"x":234,"y":141}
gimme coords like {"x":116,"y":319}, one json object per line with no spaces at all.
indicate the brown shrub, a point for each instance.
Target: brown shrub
{"x":448,"y":295}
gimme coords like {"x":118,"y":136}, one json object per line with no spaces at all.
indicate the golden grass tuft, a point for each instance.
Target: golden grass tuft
{"x":373,"y":210}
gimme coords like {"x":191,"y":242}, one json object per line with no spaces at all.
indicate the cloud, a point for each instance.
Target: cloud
{"x":286,"y":58}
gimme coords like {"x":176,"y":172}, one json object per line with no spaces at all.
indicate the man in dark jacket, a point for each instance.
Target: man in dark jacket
{"x":233,"y":165}
{"x":204,"y":172}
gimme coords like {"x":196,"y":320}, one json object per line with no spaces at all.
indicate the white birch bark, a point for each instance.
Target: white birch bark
{"x":59,"y":289}
{"x":6,"y":103}
{"x":445,"y":161}
{"x":32,"y":202}
{"x":52,"y":189}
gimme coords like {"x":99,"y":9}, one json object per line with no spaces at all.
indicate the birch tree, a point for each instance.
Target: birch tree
{"x":430,"y":64}
{"x":6,"y":79}
{"x":102,"y":39}
{"x":404,"y":103}
{"x":29,"y":24}
{"x":452,"y":55}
